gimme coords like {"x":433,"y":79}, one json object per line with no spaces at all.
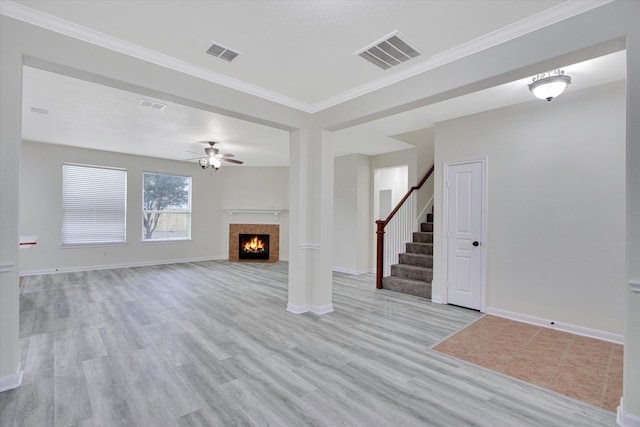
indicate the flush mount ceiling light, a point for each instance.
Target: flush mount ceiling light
{"x":549,"y":85}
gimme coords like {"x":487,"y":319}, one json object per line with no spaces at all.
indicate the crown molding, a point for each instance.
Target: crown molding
{"x":545,"y":18}
{"x":31,"y":16}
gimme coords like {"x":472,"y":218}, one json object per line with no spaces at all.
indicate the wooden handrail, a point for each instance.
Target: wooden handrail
{"x":382,"y":223}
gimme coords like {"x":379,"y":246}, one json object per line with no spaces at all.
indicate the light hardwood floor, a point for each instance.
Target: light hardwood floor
{"x":211,"y":344}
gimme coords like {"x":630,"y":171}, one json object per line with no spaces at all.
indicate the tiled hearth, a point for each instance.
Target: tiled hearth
{"x":273,"y":230}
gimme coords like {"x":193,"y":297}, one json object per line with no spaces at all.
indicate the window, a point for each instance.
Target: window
{"x":166,"y":210}
{"x":94,"y":205}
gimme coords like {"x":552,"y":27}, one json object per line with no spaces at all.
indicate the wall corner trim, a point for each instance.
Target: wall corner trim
{"x":12,"y":381}
{"x":309,"y":246}
{"x":6,"y":267}
{"x":626,"y":419}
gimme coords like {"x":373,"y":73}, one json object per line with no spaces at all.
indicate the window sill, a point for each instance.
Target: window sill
{"x":93,"y":245}
{"x":154,"y":242}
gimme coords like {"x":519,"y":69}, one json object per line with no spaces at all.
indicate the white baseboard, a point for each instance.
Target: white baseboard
{"x":12,"y":381}
{"x":626,"y":419}
{"x":349,"y":271}
{"x":114,"y":266}
{"x":308,"y":308}
{"x":321,"y":309}
{"x":298,"y":309}
{"x":552,"y":324}
{"x":437,"y":299}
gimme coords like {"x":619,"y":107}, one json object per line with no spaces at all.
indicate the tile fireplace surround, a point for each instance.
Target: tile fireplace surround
{"x":273,"y":230}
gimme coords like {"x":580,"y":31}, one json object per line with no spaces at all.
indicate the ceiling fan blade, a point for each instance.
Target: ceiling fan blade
{"x":193,"y":152}
{"x":224,"y":155}
{"x":238,"y":162}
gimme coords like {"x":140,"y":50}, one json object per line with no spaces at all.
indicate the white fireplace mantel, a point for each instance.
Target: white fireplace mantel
{"x":275,"y":212}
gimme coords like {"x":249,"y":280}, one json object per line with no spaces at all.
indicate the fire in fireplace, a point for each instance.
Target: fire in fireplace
{"x":253,"y":246}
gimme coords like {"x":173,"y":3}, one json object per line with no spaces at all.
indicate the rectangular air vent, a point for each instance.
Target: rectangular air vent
{"x":152,"y":104}
{"x":39,"y":110}
{"x":392,"y":50}
{"x":222,"y":52}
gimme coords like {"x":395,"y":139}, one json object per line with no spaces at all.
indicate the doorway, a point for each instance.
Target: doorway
{"x":465,"y":233}
{"x":389,"y":186}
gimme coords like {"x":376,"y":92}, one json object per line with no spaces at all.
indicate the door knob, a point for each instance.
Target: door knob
{"x":476,"y":243}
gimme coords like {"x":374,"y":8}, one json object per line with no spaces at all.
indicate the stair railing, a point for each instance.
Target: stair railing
{"x":400,"y":229}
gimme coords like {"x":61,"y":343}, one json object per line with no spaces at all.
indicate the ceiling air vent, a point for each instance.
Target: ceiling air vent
{"x":39,"y":110}
{"x":152,"y":104}
{"x":222,"y":52}
{"x":392,"y":50}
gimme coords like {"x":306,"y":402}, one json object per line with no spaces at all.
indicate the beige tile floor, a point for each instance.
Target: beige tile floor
{"x":583,"y":368}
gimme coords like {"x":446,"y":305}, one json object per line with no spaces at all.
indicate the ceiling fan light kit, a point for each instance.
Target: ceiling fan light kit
{"x":214,"y":157}
{"x":206,"y":162}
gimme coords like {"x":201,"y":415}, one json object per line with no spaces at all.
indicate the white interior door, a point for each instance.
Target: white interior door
{"x":464,"y":234}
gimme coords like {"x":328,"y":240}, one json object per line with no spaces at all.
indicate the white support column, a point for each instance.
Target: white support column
{"x":310,"y":221}
{"x":10,"y":142}
{"x":629,"y":409}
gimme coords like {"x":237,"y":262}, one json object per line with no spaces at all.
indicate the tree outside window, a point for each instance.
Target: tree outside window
{"x":166,"y":207}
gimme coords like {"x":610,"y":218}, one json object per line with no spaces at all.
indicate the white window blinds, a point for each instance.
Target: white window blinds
{"x":94,"y":205}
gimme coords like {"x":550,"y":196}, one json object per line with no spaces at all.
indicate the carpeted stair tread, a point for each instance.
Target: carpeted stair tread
{"x":420,"y":248}
{"x":423,"y":237}
{"x":412,"y":272}
{"x":407,"y":286}
{"x":416,"y":259}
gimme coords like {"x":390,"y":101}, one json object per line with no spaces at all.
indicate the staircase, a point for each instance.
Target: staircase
{"x":414,"y":273}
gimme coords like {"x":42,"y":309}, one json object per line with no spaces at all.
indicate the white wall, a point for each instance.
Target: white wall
{"x":41,"y":201}
{"x":352,"y":216}
{"x":424,"y":141}
{"x":406,"y":157}
{"x":394,"y":179}
{"x":556,"y":205}
{"x":255,"y":188}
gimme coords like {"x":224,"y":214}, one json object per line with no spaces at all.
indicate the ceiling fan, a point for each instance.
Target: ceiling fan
{"x":213,"y":157}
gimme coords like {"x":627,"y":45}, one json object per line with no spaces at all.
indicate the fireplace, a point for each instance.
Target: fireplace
{"x":263,"y":239}
{"x":253,"y":246}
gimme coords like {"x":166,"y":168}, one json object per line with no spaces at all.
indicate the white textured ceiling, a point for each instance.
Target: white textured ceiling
{"x":301,"y":50}
{"x":298,"y":53}
{"x":85,"y":114}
